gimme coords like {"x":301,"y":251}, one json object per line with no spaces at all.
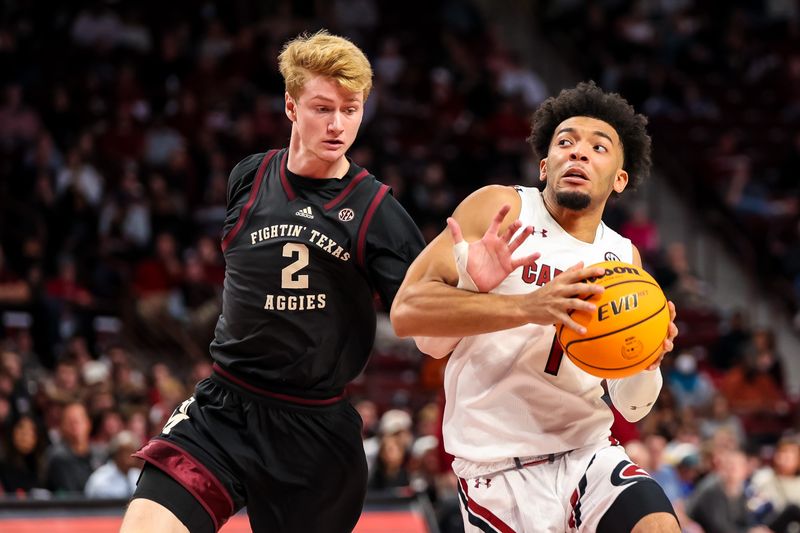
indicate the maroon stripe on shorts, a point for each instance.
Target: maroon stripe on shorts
{"x":479,"y":510}
{"x":277,"y":395}
{"x":192,"y":475}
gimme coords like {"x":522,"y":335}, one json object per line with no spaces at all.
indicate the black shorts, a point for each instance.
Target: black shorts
{"x":297,"y":468}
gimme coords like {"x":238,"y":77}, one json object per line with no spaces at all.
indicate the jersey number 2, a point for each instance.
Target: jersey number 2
{"x":289,"y":279}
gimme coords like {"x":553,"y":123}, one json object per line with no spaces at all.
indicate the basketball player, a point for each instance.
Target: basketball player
{"x":309,"y":236}
{"x":529,"y":430}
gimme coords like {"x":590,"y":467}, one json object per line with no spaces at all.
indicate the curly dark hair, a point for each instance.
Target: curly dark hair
{"x":589,"y":100}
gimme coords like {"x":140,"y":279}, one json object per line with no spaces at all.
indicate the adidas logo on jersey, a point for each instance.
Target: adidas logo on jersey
{"x":305,"y":212}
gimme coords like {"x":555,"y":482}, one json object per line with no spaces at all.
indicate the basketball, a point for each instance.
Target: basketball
{"x":625,"y":334}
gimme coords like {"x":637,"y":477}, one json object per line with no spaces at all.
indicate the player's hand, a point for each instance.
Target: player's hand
{"x":489,"y":260}
{"x":567,"y":292}
{"x":672,"y":332}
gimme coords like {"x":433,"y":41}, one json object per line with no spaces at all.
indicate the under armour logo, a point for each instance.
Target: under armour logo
{"x":542,"y":232}
{"x":486,"y":482}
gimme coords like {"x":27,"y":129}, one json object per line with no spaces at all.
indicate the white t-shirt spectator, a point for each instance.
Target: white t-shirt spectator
{"x":109,"y":481}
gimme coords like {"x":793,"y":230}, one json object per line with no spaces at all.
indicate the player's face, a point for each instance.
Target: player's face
{"x":326,"y":117}
{"x":584,"y":163}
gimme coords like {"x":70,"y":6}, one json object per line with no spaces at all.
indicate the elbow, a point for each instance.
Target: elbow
{"x":634,"y":414}
{"x":399,"y":317}
{"x":436,"y":347}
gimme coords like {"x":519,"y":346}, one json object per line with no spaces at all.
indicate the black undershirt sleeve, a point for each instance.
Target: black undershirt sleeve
{"x":393,"y":242}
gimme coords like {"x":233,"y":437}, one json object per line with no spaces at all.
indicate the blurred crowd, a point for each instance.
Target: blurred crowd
{"x":120,"y":121}
{"x":719,"y":83}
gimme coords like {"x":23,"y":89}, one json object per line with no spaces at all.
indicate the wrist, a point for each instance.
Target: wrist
{"x":461,"y":255}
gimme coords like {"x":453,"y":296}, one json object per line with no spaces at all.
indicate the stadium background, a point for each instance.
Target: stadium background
{"x":120,"y":120}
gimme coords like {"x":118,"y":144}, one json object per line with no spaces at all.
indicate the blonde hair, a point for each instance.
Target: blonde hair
{"x":327,"y":55}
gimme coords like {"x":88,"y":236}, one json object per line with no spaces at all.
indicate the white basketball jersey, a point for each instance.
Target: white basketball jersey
{"x":506,"y":395}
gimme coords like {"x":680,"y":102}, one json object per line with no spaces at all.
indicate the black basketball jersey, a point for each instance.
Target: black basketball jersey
{"x":303,"y":260}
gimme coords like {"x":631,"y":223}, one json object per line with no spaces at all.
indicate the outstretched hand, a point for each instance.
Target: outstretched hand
{"x":489,"y":261}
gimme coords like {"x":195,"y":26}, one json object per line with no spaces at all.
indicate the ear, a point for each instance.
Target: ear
{"x":543,"y":170}
{"x":290,"y":107}
{"x":620,"y":181}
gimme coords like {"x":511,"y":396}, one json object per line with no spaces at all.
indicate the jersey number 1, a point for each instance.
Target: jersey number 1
{"x":554,"y":359}
{"x":289,"y":279}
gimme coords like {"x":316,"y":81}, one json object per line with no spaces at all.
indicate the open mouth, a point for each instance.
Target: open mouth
{"x":333,"y":143}
{"x":576,"y":173}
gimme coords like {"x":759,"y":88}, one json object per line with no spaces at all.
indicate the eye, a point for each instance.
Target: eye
{"x":322,"y":109}
{"x":600,"y":148}
{"x":351,"y":110}
{"x":563,"y":142}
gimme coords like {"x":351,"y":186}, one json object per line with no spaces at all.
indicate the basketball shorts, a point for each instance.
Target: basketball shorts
{"x":297,"y":468}
{"x":593,"y":489}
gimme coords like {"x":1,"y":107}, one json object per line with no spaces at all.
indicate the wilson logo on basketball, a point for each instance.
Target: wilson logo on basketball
{"x":615,"y":270}
{"x":346,"y":214}
{"x":620,"y":305}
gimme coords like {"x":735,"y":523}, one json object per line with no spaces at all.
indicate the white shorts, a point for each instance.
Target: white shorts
{"x":571,"y":494}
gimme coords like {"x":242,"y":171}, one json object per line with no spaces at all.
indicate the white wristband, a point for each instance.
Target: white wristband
{"x":461,"y":254}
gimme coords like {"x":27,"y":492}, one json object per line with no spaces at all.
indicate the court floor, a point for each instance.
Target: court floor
{"x":371,"y":522}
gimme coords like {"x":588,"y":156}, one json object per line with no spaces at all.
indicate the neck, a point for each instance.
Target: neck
{"x":80,"y":448}
{"x":304,"y":163}
{"x":580,"y":224}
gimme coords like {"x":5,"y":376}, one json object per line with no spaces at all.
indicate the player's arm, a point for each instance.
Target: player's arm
{"x":240,"y":181}
{"x":634,"y":396}
{"x":441,"y":257}
{"x":428,"y":303}
{"x":393,"y":241}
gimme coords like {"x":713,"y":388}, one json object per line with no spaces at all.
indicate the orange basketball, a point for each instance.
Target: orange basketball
{"x":627,"y":330}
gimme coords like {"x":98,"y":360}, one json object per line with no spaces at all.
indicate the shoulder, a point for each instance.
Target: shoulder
{"x":476,"y":212}
{"x":246,"y":166}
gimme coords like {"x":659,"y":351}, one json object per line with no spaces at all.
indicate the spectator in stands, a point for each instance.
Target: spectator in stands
{"x":65,"y":384}
{"x":117,"y":477}
{"x":80,"y":178}
{"x":778,"y":487}
{"x":71,"y":461}
{"x":391,"y":465}
{"x":721,"y":418}
{"x":642,"y":232}
{"x":18,"y":121}
{"x":397,"y":423}
{"x":686,"y":288}
{"x":767,"y":360}
{"x":731,"y":345}
{"x":13,"y":289}
{"x":640,"y":454}
{"x":22,"y":463}
{"x":690,"y":387}
{"x":107,"y":423}
{"x":660,"y":469}
{"x":719,"y":505}
{"x":368,"y":412}
{"x":423,"y":466}
{"x":756,"y":396}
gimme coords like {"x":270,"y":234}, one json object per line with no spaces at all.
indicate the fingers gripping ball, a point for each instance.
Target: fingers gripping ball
{"x":625,"y":334}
